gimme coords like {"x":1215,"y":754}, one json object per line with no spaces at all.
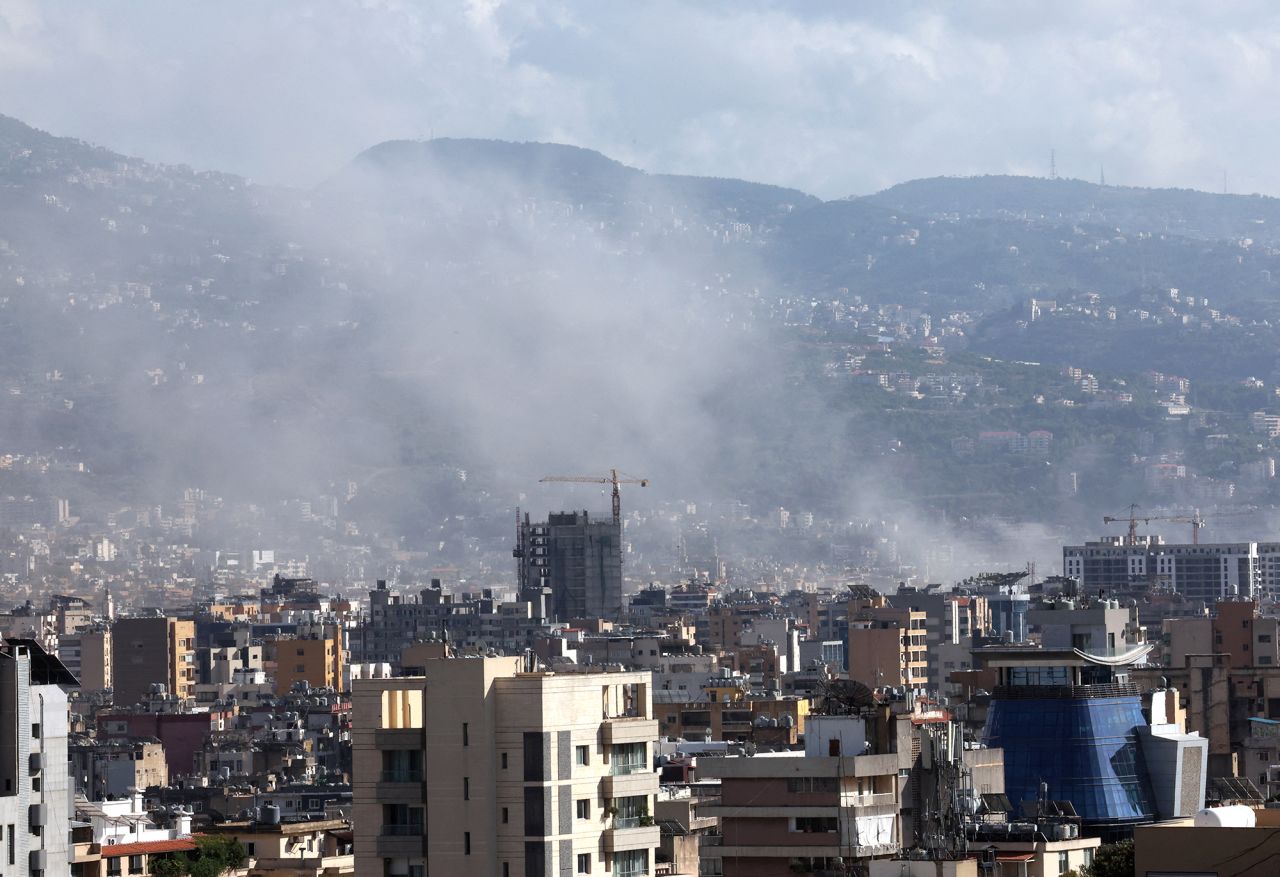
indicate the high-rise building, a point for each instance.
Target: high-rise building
{"x":1214,"y":572}
{"x":886,"y":646}
{"x":35,"y":793}
{"x":87,"y":655}
{"x":485,"y":766}
{"x":580,"y":560}
{"x":149,"y":651}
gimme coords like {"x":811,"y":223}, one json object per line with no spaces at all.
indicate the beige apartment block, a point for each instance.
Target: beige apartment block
{"x":87,"y":654}
{"x":481,"y":766}
{"x":887,"y":648}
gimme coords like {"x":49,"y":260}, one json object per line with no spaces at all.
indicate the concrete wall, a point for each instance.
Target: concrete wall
{"x":1184,"y":849}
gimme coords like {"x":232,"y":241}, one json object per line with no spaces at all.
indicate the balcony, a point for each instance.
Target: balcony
{"x":642,"y":781}
{"x":400,"y":787}
{"x":629,"y":729}
{"x":631,"y":837}
{"x":398,"y":738}
{"x":881,"y":804}
{"x":401,"y":840}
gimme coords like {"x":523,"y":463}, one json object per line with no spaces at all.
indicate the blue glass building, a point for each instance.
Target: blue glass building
{"x":1070,"y":721}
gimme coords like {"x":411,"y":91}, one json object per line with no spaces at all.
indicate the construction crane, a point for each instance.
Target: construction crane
{"x":1132,"y":538}
{"x":612,"y":478}
{"x":1196,"y":520}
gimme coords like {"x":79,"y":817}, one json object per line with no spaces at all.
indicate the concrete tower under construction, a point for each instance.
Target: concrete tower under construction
{"x":579,"y":560}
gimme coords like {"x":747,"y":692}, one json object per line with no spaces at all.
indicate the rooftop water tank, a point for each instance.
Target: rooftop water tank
{"x":1233,"y":816}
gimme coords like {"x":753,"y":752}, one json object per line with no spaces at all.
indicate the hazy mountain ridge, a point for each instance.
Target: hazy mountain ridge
{"x":206,"y":328}
{"x":1186,"y":212}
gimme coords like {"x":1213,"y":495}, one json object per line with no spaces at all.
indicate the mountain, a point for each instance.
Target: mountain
{"x":1183,"y":212}
{"x":511,"y":309}
{"x":444,"y":171}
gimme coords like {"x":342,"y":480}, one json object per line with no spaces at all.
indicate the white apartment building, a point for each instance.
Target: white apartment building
{"x":35,"y":802}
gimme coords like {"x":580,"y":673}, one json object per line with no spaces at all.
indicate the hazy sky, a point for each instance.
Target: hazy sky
{"x":834,"y":98}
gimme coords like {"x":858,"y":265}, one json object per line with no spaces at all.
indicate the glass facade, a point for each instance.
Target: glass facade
{"x":1084,"y":748}
{"x":1009,"y":615}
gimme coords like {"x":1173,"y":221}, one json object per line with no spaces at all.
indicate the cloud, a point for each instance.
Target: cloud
{"x":831,"y":98}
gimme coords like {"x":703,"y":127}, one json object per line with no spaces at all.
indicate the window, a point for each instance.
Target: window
{"x":250,"y":848}
{"x":300,"y":668}
{"x":504,"y":761}
{"x":466,"y":788}
{"x":506,"y":869}
{"x":113,"y":867}
{"x":534,"y":768}
{"x":135,"y":864}
{"x":1063,"y":862}
{"x":35,"y":731}
{"x":584,"y":808}
{"x":504,"y":815}
{"x":466,"y":842}
{"x":466,"y":741}
{"x":584,"y":863}
{"x":581,"y":754}
{"x":1088,"y":857}
{"x":811,"y":785}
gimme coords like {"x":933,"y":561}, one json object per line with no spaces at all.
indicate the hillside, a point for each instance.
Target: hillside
{"x":1182,"y":212}
{"x":509,"y":309}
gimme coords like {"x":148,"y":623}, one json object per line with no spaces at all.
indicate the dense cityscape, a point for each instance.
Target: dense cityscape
{"x":491,"y":439}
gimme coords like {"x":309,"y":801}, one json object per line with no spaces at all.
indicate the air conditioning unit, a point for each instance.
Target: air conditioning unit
{"x":35,"y":761}
{"x":36,"y":861}
{"x":37,"y":814}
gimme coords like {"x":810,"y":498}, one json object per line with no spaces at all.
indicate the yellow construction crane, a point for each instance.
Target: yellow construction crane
{"x":612,"y":478}
{"x":1196,"y":520}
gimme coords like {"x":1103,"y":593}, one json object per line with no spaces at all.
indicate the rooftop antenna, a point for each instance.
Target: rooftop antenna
{"x":1224,"y":182}
{"x":1053,"y":165}
{"x":1102,"y":175}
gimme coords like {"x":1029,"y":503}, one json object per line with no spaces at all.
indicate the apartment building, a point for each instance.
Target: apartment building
{"x":87,"y":655}
{"x":863,"y":789}
{"x":1201,"y":572}
{"x":35,"y":790}
{"x":147,"y":651}
{"x":887,"y":646}
{"x":488,"y":766}
{"x":316,"y":660}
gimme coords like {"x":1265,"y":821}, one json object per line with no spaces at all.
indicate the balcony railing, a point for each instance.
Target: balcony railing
{"x":1060,"y":692}
{"x":878,"y":799}
{"x":402,"y":776}
{"x":398,"y":830}
{"x":623,"y":768}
